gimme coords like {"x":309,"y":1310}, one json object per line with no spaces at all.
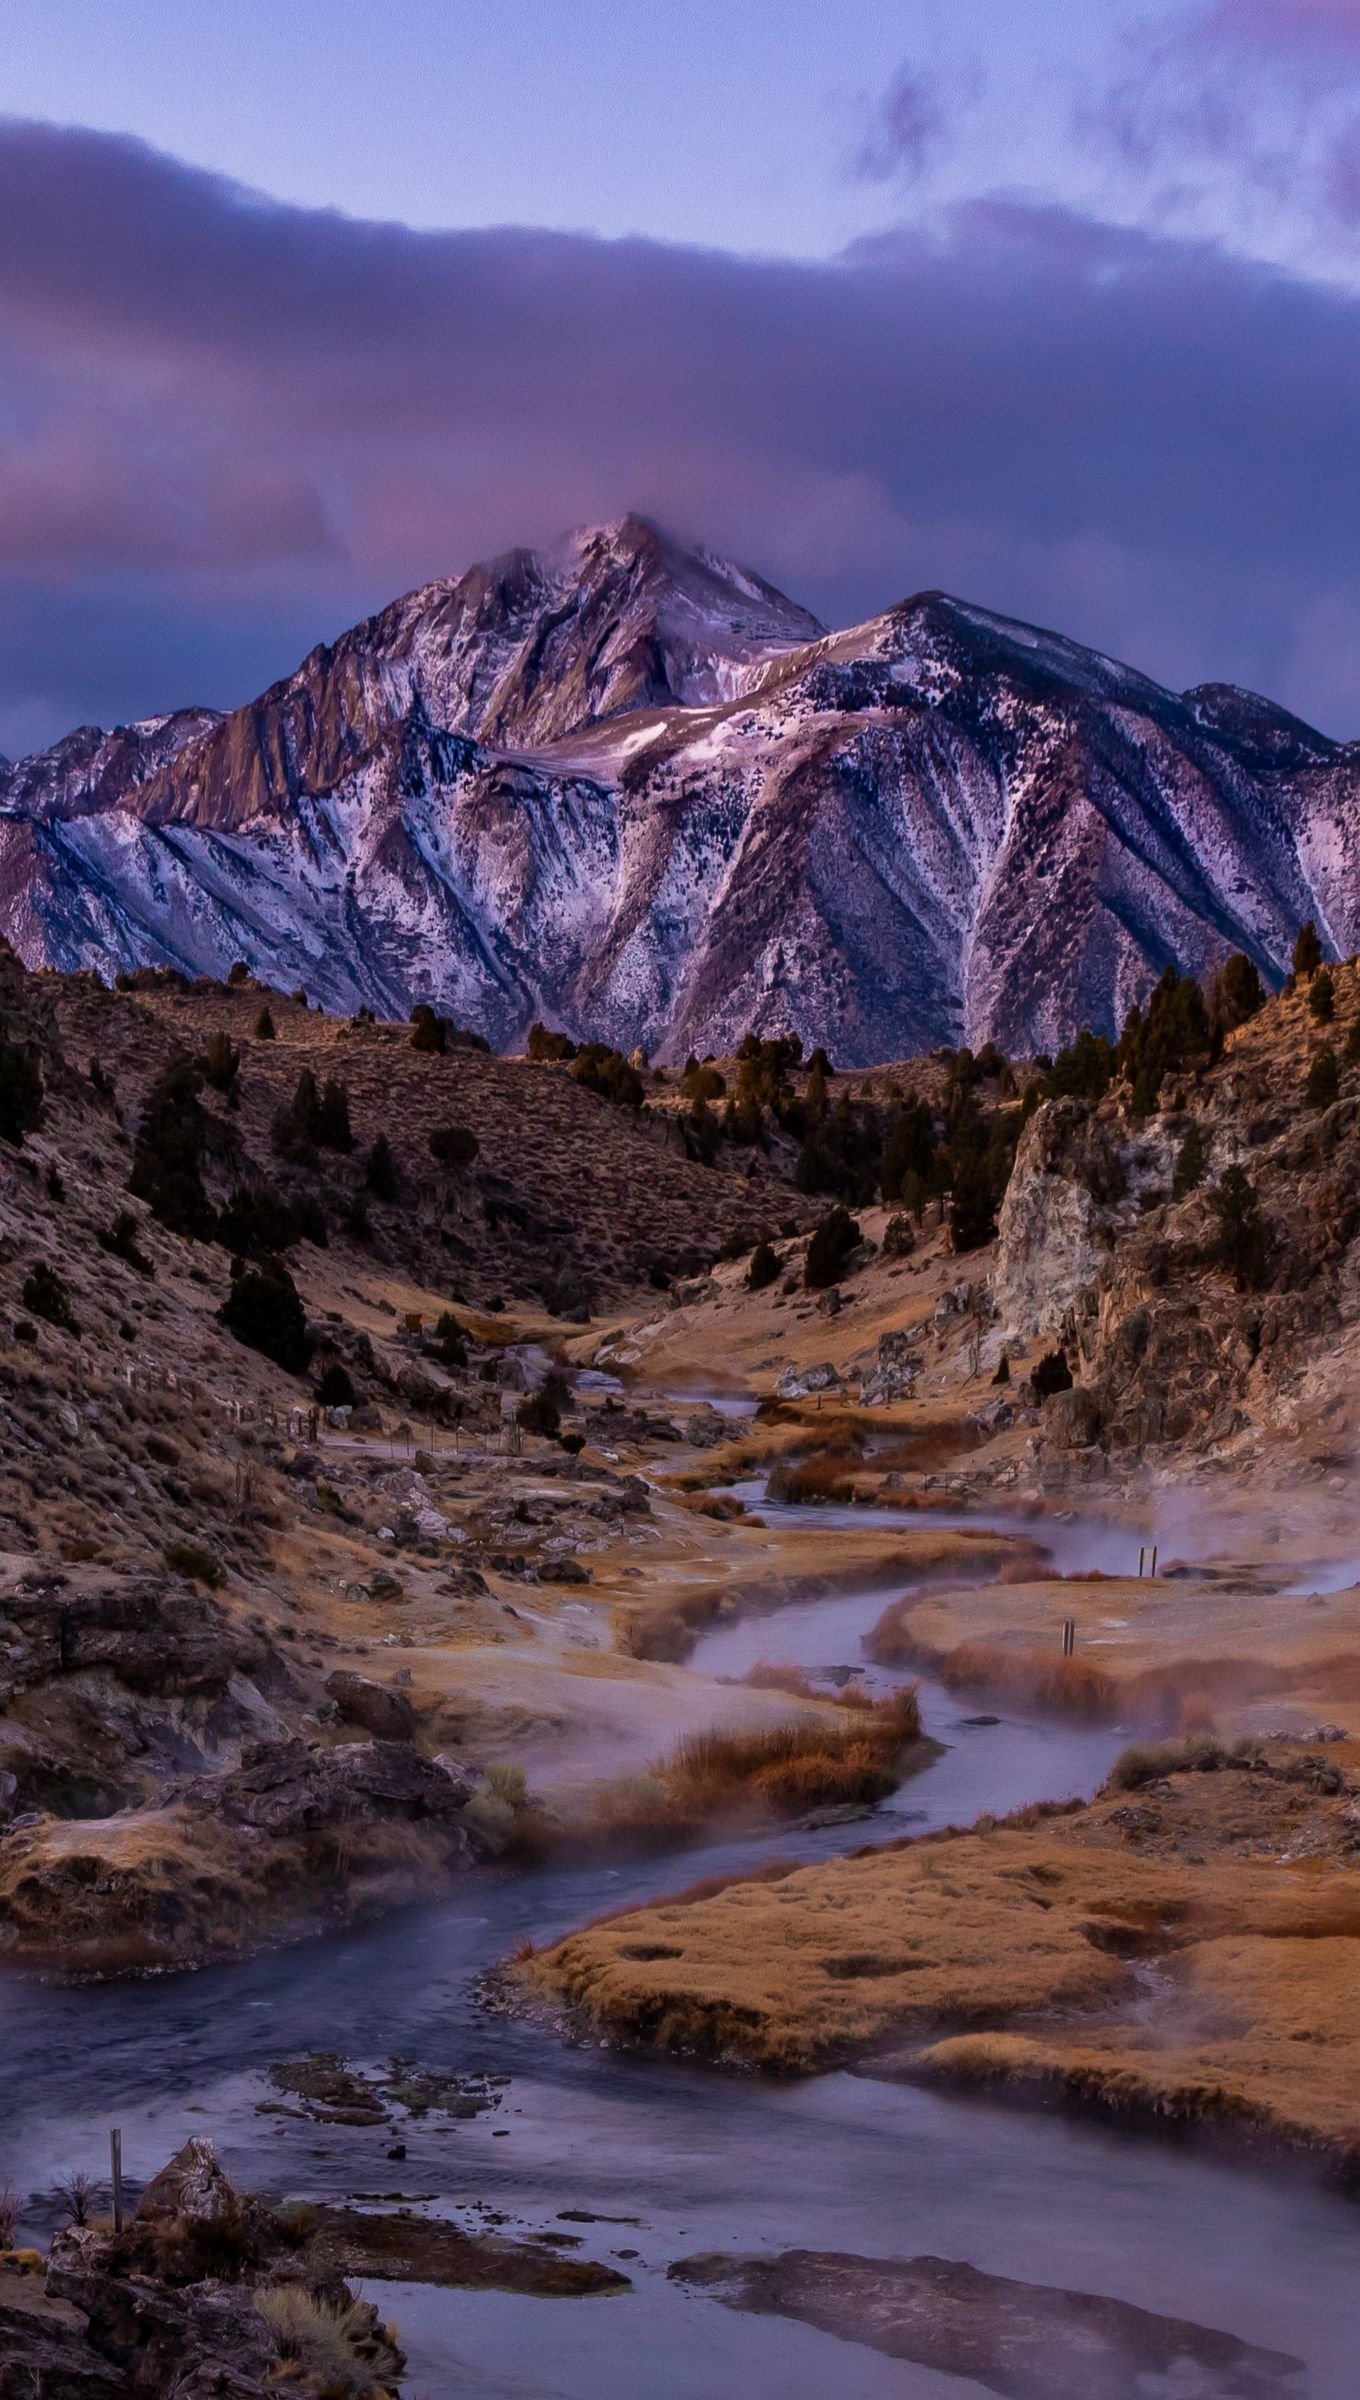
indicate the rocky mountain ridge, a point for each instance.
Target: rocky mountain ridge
{"x":632,"y":789}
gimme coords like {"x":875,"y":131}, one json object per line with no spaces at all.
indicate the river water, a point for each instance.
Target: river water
{"x":681,"y":2159}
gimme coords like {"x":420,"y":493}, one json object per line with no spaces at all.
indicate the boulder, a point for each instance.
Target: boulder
{"x":897,"y":1363}
{"x":285,"y":1788}
{"x":193,"y":2190}
{"x":386,"y":1714}
{"x":796,"y":1382}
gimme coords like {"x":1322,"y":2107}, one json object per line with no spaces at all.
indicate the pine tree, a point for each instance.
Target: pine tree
{"x":1307,"y":952}
{"x":1237,"y":993}
{"x":1241,"y":1235}
{"x":331,"y":1126}
{"x":764,"y":1267}
{"x":1322,"y":997}
{"x":1191,"y":1162}
{"x":380,"y":1171}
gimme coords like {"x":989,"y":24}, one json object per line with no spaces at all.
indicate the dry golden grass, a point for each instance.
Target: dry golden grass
{"x":1257,"y":2031}
{"x":784,"y":1563}
{"x":1022,"y":1938}
{"x":781,"y":1675}
{"x":760,"y":1772}
{"x":1180,"y":1696}
{"x":804,"y":1763}
{"x":826,"y":1474}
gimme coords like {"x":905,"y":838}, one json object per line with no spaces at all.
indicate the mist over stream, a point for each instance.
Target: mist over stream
{"x":683,"y":2159}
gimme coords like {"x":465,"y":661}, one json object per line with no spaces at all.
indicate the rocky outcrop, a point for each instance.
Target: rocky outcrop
{"x":898,"y":1360}
{"x":288,"y":1790}
{"x":180,"y":2305}
{"x":143,"y":1632}
{"x":1083,"y":1178}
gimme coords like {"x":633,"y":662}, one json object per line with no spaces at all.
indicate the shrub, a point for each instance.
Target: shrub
{"x":765,"y":1267}
{"x":331,"y":2342}
{"x":264,"y":1027}
{"x":546,"y":1048}
{"x":120,"y":1240}
{"x":607,"y":1072}
{"x":910,"y":1148}
{"x":256,"y":1223}
{"x":972,"y":1207}
{"x":45,"y":1295}
{"x":1307,"y":952}
{"x":21,"y":1093}
{"x":1051,"y":1374}
{"x":1241,"y":1242}
{"x":1191,"y":1161}
{"x":539,"y":1413}
{"x":331,"y":1129}
{"x":703,"y":1082}
{"x":167,"y":1156}
{"x":220,"y":1063}
{"x":449,"y":1346}
{"x":453,"y":1146}
{"x":899,"y":1239}
{"x":316,"y":1119}
{"x":831,"y":1244}
{"x":356,"y":1221}
{"x":1322,"y":996}
{"x":264,"y":1311}
{"x":77,"y":2194}
{"x":573,"y":1444}
{"x":192,"y":1559}
{"x":701,"y":1133}
{"x":54,"y":1183}
{"x":508,"y":1782}
{"x":380,"y":1170}
{"x":428,"y":1032}
{"x":238,"y":974}
{"x":1323,"y":1086}
{"x":336,"y":1388}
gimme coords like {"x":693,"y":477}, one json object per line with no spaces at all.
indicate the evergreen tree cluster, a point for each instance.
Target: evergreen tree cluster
{"x":316,"y":1119}
{"x":606,"y":1071}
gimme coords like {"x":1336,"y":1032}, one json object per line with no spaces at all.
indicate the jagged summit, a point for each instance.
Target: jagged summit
{"x":625,"y":784}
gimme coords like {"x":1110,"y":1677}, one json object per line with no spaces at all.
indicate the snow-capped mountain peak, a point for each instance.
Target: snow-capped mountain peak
{"x":630,"y":786}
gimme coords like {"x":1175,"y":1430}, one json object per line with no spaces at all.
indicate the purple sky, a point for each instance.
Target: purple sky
{"x":1063,"y":318}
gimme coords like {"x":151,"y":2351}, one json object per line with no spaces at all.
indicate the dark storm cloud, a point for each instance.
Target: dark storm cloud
{"x":226,"y":427}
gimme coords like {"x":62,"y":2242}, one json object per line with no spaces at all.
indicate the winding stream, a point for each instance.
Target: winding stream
{"x":681,"y":2159}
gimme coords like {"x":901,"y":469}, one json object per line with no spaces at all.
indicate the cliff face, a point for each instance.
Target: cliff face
{"x":1177,"y":1339}
{"x":632,"y":789}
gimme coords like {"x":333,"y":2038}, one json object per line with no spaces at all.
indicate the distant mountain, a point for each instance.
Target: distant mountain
{"x":630,"y":788}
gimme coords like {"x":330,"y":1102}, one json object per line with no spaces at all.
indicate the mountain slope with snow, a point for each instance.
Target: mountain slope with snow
{"x":632,"y":789}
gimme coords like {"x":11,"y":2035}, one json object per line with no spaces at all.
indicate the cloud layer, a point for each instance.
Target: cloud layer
{"x":227,"y":427}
